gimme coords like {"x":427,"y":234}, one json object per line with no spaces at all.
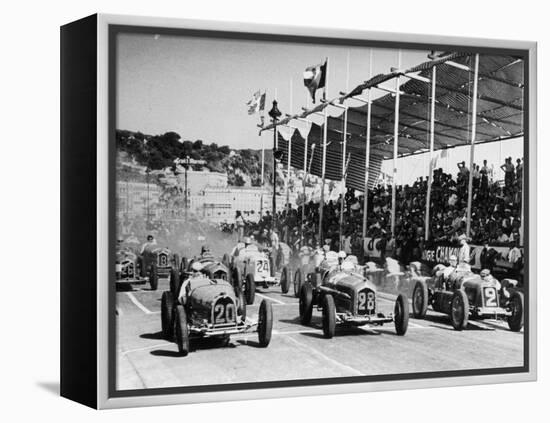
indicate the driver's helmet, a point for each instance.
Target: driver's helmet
{"x":485,"y":273}
{"x":247,"y":241}
{"x":196,"y":266}
{"x":453,"y":261}
{"x":341,"y":256}
{"x":150,"y":237}
{"x":205,"y":249}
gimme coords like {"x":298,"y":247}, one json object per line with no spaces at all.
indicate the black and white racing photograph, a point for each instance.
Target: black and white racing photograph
{"x":307,"y":211}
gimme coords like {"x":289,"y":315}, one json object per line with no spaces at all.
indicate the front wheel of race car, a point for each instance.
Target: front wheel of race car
{"x":250,"y":289}
{"x":265,"y":323}
{"x":236,"y":280}
{"x":166,"y":315}
{"x":515,"y":320}
{"x":298,"y":281}
{"x":329,"y":316}
{"x":401,"y":315}
{"x":183,"y":265}
{"x":181,"y":330}
{"x":420,"y":300}
{"x":153,"y":278}
{"x":460,"y":309}
{"x":272,"y":264}
{"x":285,"y":282}
{"x":241,"y":306}
{"x":306,"y":304}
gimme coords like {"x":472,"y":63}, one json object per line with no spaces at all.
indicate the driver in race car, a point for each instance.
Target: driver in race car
{"x":150,"y":241}
{"x":196,"y":267}
{"x":205,"y":252}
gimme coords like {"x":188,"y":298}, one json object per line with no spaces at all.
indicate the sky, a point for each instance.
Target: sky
{"x":199,"y":87}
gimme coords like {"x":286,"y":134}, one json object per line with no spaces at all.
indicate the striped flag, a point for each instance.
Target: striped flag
{"x":315,"y":78}
{"x":256,"y":103}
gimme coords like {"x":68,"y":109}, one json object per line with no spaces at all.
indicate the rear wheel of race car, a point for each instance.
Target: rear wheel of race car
{"x":236,"y":280}
{"x":460,"y":309}
{"x":250,"y":289}
{"x":241,"y":307}
{"x":515,"y":321}
{"x":306,"y":304}
{"x":401,"y":315}
{"x":181,"y":330}
{"x":420,"y":300}
{"x":298,"y":281}
{"x":265,"y":323}
{"x":272,"y":263}
{"x":174,"y":282}
{"x":183,"y":264}
{"x":285,"y":282}
{"x":329,"y":316}
{"x":225,"y":260}
{"x":153,"y":278}
{"x":166,"y":315}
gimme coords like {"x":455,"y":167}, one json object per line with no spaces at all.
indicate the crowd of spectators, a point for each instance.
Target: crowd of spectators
{"x":496,"y":214}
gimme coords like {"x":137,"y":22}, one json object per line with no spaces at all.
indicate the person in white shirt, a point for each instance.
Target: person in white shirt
{"x":150,"y":241}
{"x":464,"y":251}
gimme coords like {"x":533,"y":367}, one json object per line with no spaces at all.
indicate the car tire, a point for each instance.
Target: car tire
{"x":174,"y":282}
{"x":329,"y":316}
{"x":420,"y":299}
{"x":236,"y":281}
{"x":401,"y":314}
{"x":226,"y":261}
{"x":176,"y":260}
{"x":285,"y":282}
{"x":272,"y":264}
{"x":460,"y":309}
{"x":265,"y":323}
{"x":153,"y":278}
{"x":298,"y":282}
{"x":167,"y":316}
{"x":250,"y":289}
{"x":241,"y":308}
{"x":181,"y":330}
{"x":515,"y":321}
{"x":183,"y":265}
{"x":306,"y":304}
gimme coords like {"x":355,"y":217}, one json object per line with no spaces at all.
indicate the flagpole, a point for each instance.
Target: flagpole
{"x":472,"y":147}
{"x":306,"y":147}
{"x":322,"y":199}
{"x":367,"y":156}
{"x":430,"y":174}
{"x":262,"y":184}
{"x":344,"y":145}
{"x":395,"y":147}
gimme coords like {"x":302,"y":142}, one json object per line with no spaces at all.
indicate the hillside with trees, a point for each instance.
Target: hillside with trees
{"x":243,"y":167}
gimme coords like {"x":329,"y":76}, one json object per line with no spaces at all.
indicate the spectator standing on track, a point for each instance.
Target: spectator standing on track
{"x":239,"y":223}
{"x":464,"y":251}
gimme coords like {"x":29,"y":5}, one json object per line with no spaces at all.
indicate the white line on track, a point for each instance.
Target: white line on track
{"x":271,"y":299}
{"x":318,"y":354}
{"x":138,"y":304}
{"x":150,"y":347}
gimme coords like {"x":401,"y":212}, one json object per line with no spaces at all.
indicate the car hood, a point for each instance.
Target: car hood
{"x":349,"y":281}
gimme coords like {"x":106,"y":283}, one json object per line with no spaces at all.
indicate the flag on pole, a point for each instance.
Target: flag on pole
{"x":256,"y":103}
{"x":315,"y":78}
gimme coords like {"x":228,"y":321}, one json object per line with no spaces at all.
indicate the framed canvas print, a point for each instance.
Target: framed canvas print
{"x":254,"y":211}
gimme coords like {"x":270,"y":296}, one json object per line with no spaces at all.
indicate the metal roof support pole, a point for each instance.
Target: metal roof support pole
{"x":289,"y":155}
{"x":262,"y":179}
{"x":367,"y":157}
{"x":395,"y":148}
{"x":472,"y":148}
{"x":306,"y":146}
{"x":430,"y":165}
{"x":343,"y":188}
{"x":324,"y":164}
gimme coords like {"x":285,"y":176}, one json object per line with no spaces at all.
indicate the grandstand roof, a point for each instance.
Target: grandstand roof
{"x":499,"y":112}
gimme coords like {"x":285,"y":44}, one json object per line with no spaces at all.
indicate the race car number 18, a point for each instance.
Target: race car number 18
{"x":366,"y":301}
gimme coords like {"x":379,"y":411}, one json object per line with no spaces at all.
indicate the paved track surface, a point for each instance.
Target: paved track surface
{"x":146,"y":360}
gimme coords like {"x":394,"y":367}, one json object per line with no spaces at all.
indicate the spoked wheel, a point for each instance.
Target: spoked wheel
{"x":166,"y":315}
{"x":401,"y":315}
{"x":298,"y":281}
{"x":515,"y":321}
{"x":329,"y":316}
{"x":236,"y":281}
{"x":250,"y":289}
{"x":460,"y":309}
{"x":265,"y":323}
{"x":181,"y":330}
{"x":174,"y":282}
{"x":420,"y":300}
{"x":285,"y":282}
{"x":306,"y":304}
